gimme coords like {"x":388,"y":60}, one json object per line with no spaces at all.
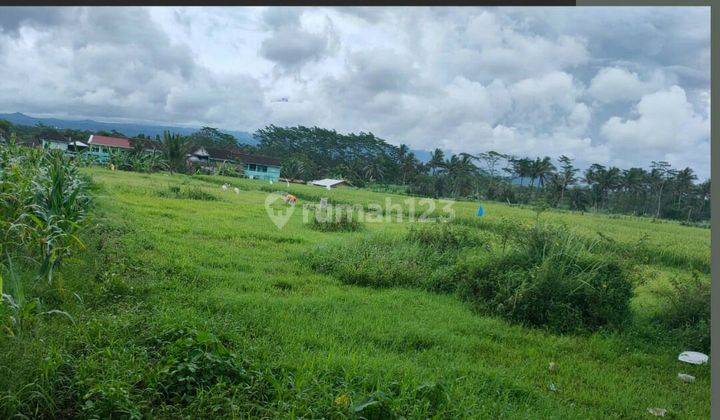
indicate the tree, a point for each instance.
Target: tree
{"x":212,"y":137}
{"x":491,"y":160}
{"x":522,"y":168}
{"x":660,"y":174}
{"x":175,"y":148}
{"x":566,"y":176}
{"x":542,"y":169}
{"x":293,"y":168}
{"x":460,"y":171}
{"x":5,"y":129}
{"x":374,"y":171}
{"x":437,"y":160}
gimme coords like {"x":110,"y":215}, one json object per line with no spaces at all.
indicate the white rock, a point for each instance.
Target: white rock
{"x":237,"y":190}
{"x":693,"y":357}
{"x":685,"y":377}
{"x":658,"y":412}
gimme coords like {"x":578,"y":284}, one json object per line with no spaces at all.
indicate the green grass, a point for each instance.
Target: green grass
{"x":163,"y":277}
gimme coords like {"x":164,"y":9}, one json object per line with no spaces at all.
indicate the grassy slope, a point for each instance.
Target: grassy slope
{"x":224,"y":267}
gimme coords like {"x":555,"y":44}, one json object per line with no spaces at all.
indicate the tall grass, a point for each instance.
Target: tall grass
{"x":545,"y":277}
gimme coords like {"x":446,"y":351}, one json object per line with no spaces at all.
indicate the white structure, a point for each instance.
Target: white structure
{"x":328,"y":183}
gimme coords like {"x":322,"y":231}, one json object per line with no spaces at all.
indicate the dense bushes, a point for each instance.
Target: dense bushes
{"x":551,"y":279}
{"x":545,"y":277}
{"x":340,"y":221}
{"x":686,"y":311}
{"x":185,"y":192}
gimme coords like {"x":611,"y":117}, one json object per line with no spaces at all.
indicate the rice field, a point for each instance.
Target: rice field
{"x":188,"y":301}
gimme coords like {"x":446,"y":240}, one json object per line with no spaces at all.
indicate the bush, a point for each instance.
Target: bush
{"x":445,"y":236}
{"x":190,"y":193}
{"x":341,"y":221}
{"x":686,"y":311}
{"x":545,"y":277}
{"x":378,"y":260}
{"x":552,"y":280}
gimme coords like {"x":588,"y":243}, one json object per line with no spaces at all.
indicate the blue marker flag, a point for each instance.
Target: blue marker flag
{"x":480,"y":211}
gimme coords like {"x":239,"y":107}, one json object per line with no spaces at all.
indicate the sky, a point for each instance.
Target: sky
{"x":618,"y":86}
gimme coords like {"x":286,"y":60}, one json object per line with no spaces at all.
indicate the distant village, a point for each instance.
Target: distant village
{"x":202,"y":158}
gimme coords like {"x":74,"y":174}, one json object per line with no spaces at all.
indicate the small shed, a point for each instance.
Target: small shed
{"x":328,"y":183}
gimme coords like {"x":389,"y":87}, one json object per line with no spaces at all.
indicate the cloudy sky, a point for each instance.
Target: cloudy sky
{"x":620,"y":86}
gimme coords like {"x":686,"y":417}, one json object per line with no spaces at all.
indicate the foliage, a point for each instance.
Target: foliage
{"x":686,"y":311}
{"x":551,"y":279}
{"x":43,"y":202}
{"x":187,"y":192}
{"x":661,"y":192}
{"x":341,"y":220}
{"x":175,"y":147}
{"x":158,"y":276}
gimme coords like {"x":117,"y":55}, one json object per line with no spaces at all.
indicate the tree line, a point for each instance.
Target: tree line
{"x":365,"y":160}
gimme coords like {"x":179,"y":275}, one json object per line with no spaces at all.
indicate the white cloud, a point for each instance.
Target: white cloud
{"x":666,"y":126}
{"x":467,"y":79}
{"x":612,"y":84}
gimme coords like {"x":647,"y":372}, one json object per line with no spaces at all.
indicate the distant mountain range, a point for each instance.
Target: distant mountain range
{"x":129,"y":129}
{"x":133,"y":129}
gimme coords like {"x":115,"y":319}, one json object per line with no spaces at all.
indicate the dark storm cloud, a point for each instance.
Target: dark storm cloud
{"x":14,"y":17}
{"x":289,"y":45}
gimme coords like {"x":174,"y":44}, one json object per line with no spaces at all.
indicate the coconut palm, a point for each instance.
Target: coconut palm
{"x":175,"y":148}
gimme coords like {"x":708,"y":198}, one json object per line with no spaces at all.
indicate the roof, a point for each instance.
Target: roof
{"x":235,"y":155}
{"x":327,"y":182}
{"x":110,"y":141}
{"x":258,"y":160}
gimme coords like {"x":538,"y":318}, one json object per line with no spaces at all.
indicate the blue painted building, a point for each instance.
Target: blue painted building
{"x":253,"y":166}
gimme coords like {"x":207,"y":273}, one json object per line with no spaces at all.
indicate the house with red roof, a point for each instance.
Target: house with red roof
{"x":104,"y":143}
{"x":101,"y":146}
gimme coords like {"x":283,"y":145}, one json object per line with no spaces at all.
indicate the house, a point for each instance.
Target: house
{"x":101,"y":146}
{"x":253,"y":166}
{"x":68,"y":146}
{"x":328,"y":183}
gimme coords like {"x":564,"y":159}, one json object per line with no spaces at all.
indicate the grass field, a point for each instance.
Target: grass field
{"x":191,"y":302}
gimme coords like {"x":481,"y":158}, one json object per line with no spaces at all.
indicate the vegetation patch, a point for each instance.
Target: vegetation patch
{"x":340,"y":221}
{"x":187,"y":192}
{"x":547,"y":277}
{"x":686,"y":311}
{"x":551,"y":279}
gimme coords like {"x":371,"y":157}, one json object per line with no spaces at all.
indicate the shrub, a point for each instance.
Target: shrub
{"x":191,"y":361}
{"x":377,"y":260}
{"x":340,"y":221}
{"x":686,"y":311}
{"x":186,"y":192}
{"x":445,"y":236}
{"x":552,"y":280}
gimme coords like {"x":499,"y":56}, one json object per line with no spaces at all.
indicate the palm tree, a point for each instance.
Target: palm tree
{"x":683,"y":183}
{"x":408,"y":166}
{"x":522,"y":168}
{"x":293,"y":168}
{"x":374,"y":171}
{"x":175,"y":149}
{"x":460,"y":170}
{"x":632,"y":181}
{"x":542,"y":169}
{"x":437,"y":160}
{"x":661,"y":172}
